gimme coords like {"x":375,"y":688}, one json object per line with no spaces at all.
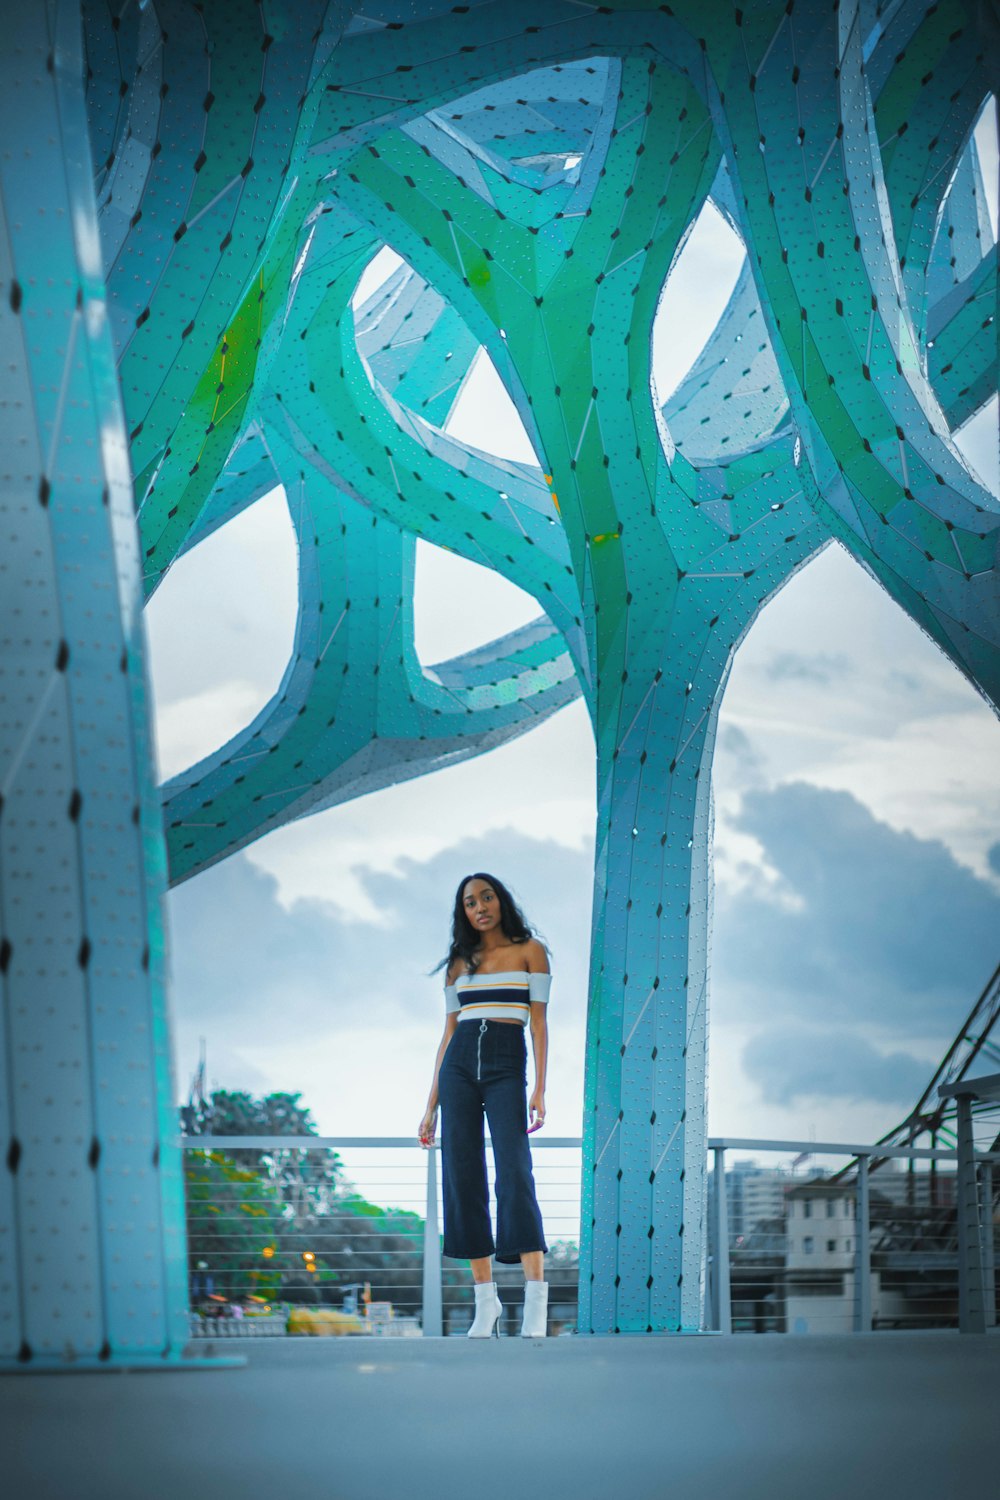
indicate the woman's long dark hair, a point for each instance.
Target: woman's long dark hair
{"x":465,"y":938}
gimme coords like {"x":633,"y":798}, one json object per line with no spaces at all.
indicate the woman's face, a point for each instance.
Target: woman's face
{"x":481,"y":905}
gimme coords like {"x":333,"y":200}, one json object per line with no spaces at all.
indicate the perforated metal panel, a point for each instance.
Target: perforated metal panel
{"x":92,"y":1251}
{"x":538,"y":165}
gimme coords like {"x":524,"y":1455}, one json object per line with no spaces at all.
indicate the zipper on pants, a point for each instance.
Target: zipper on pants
{"x":479,"y":1051}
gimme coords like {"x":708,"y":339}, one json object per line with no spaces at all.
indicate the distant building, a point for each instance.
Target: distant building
{"x":754,"y":1194}
{"x":821,"y":1225}
{"x":821,"y":1238}
{"x":793,"y":1248}
{"x":755,"y":1207}
{"x":763,"y":1198}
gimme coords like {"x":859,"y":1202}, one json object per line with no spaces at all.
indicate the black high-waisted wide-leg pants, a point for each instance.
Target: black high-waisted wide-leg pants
{"x":484,"y":1070}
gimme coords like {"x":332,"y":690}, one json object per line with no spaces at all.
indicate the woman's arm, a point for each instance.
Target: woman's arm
{"x":540,"y":1046}
{"x":538,"y":963}
{"x":428,"y":1125}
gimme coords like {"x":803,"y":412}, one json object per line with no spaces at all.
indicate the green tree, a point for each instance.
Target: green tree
{"x":235,"y":1215}
{"x":308,"y":1179}
{"x":287,"y":1224}
{"x":254,"y":1213}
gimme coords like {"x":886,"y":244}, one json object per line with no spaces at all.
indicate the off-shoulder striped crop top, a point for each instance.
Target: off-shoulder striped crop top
{"x":496,"y":997}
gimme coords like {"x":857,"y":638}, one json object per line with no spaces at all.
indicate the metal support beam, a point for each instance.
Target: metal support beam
{"x":971,"y":1288}
{"x":432,"y":1323}
{"x":93,"y":1261}
{"x":972,"y":1295}
{"x":723,"y":1307}
{"x":863,"y":1253}
{"x":989,"y":1251}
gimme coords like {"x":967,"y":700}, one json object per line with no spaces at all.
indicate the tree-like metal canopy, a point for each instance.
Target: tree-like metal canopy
{"x":538,"y":168}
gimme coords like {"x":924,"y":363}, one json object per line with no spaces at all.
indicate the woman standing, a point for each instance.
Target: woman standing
{"x":497,"y":984}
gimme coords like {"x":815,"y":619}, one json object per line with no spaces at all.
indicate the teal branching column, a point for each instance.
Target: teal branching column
{"x":670,"y":564}
{"x":652,"y":565}
{"x":655,"y":669}
{"x":92,"y":1253}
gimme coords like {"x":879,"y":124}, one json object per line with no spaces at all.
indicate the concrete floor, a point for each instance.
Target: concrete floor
{"x":690,"y":1418}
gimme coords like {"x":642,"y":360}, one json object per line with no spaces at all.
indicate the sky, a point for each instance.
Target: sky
{"x":857,"y":848}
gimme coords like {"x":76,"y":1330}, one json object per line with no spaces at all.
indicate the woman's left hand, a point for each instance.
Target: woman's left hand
{"x":536,"y":1111}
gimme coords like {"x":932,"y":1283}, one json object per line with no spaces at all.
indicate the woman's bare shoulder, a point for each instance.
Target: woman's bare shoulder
{"x":537,"y":957}
{"x":455,"y":970}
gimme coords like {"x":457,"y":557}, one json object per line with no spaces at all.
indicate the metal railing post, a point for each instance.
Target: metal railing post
{"x":432,"y":1324}
{"x":989,"y":1250}
{"x":720,"y":1265}
{"x":971,"y":1301}
{"x":712,"y":1267}
{"x":863,"y":1252}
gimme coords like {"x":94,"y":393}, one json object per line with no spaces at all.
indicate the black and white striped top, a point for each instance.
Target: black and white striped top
{"x":496,"y":997}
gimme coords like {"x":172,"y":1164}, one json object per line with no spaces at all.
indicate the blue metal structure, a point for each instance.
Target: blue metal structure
{"x":538,"y":168}
{"x":92,"y":1247}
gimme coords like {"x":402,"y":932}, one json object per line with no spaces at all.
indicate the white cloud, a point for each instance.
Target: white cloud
{"x":700,"y":284}
{"x":737,"y":1106}
{"x":541,"y":785}
{"x":986,"y":144}
{"x":741,"y":864}
{"x":302,"y":996}
{"x":190,"y":728}
{"x":299,"y":995}
{"x":977,"y":440}
{"x":377,"y":271}
{"x":220,"y":630}
{"x":459,"y":605}
{"x":935,"y":775}
{"x":882,"y":714}
{"x":485,"y":417}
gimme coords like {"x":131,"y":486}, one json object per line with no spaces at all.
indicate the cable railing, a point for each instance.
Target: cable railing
{"x":317,"y":1235}
{"x":814,"y":1251}
{"x":325,"y":1235}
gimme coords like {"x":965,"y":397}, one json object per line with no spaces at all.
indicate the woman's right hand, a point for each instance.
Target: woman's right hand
{"x":427,"y":1128}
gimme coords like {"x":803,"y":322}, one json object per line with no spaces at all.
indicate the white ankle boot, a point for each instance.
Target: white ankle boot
{"x":486,"y":1323}
{"x":536,"y":1310}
